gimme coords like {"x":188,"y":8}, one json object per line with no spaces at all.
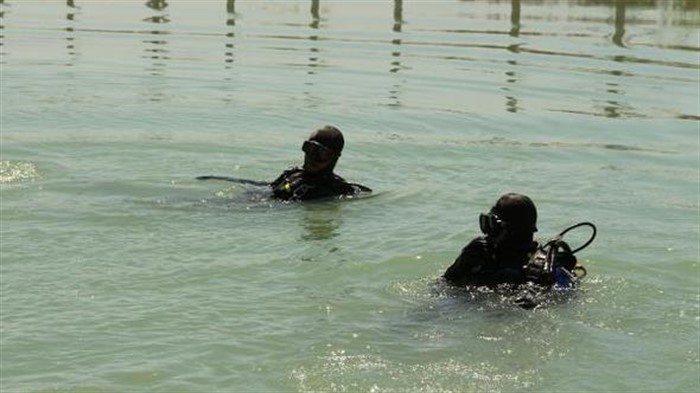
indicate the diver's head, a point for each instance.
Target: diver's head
{"x":322,"y":150}
{"x":513,"y":217}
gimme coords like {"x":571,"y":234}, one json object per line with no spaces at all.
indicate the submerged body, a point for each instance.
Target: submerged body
{"x":506,"y":257}
{"x":295,"y":184}
{"x":483,"y":263}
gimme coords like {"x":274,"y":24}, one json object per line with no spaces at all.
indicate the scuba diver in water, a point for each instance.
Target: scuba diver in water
{"x":507,"y":253}
{"x":315,"y":179}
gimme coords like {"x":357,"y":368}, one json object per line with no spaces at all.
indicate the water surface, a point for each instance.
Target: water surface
{"x":121,"y":272}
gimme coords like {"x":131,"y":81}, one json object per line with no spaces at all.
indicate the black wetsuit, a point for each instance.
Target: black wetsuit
{"x":481,"y":263}
{"x":296,"y":185}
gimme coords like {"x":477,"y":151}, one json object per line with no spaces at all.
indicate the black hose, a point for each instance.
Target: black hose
{"x":234,"y":180}
{"x":580,"y":224}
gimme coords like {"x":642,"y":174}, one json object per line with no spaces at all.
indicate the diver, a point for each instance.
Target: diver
{"x":316,"y":179}
{"x":508,"y":254}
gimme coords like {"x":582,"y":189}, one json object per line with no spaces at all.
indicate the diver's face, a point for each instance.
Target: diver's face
{"x":318,"y":158}
{"x":502,"y":231}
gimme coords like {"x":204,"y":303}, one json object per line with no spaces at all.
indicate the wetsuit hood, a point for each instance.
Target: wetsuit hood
{"x":329,"y":137}
{"x":518,"y":213}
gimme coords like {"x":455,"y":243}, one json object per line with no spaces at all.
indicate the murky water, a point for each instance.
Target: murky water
{"x":121,"y":272}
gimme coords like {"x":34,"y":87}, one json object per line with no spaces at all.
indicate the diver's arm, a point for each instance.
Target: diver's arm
{"x":468,"y":265}
{"x":342,"y":187}
{"x":233,"y":179}
{"x":360,"y":187}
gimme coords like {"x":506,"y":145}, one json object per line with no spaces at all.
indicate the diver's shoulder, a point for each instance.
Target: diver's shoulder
{"x":285,"y":175}
{"x":479,"y":242}
{"x":292,"y":171}
{"x":355,"y":187}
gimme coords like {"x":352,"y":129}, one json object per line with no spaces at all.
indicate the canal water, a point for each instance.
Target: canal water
{"x":120,"y":272}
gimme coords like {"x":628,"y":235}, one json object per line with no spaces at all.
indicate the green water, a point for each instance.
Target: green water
{"x":122,"y":273}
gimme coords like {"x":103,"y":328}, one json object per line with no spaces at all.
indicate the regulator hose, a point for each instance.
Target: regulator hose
{"x":580,"y":224}
{"x":552,"y":247}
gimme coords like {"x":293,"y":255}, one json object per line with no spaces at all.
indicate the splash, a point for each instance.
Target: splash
{"x":338,"y":371}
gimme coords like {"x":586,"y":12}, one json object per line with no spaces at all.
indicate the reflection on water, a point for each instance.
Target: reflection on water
{"x":230,"y":36}
{"x":510,"y":42}
{"x":2,"y":32}
{"x":315,"y":21}
{"x":321,"y":221}
{"x":398,"y":15}
{"x":157,"y":46}
{"x":511,"y":78}
{"x":312,"y":61}
{"x":511,"y":74}
{"x":315,"y":16}
{"x":158,"y":5}
{"x":620,"y":6}
{"x":515,"y":18}
{"x":70,"y":32}
{"x":231,"y":11}
{"x":396,"y":65}
{"x":229,"y":47}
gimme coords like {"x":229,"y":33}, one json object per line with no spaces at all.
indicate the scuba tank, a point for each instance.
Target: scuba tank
{"x":554,"y":265}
